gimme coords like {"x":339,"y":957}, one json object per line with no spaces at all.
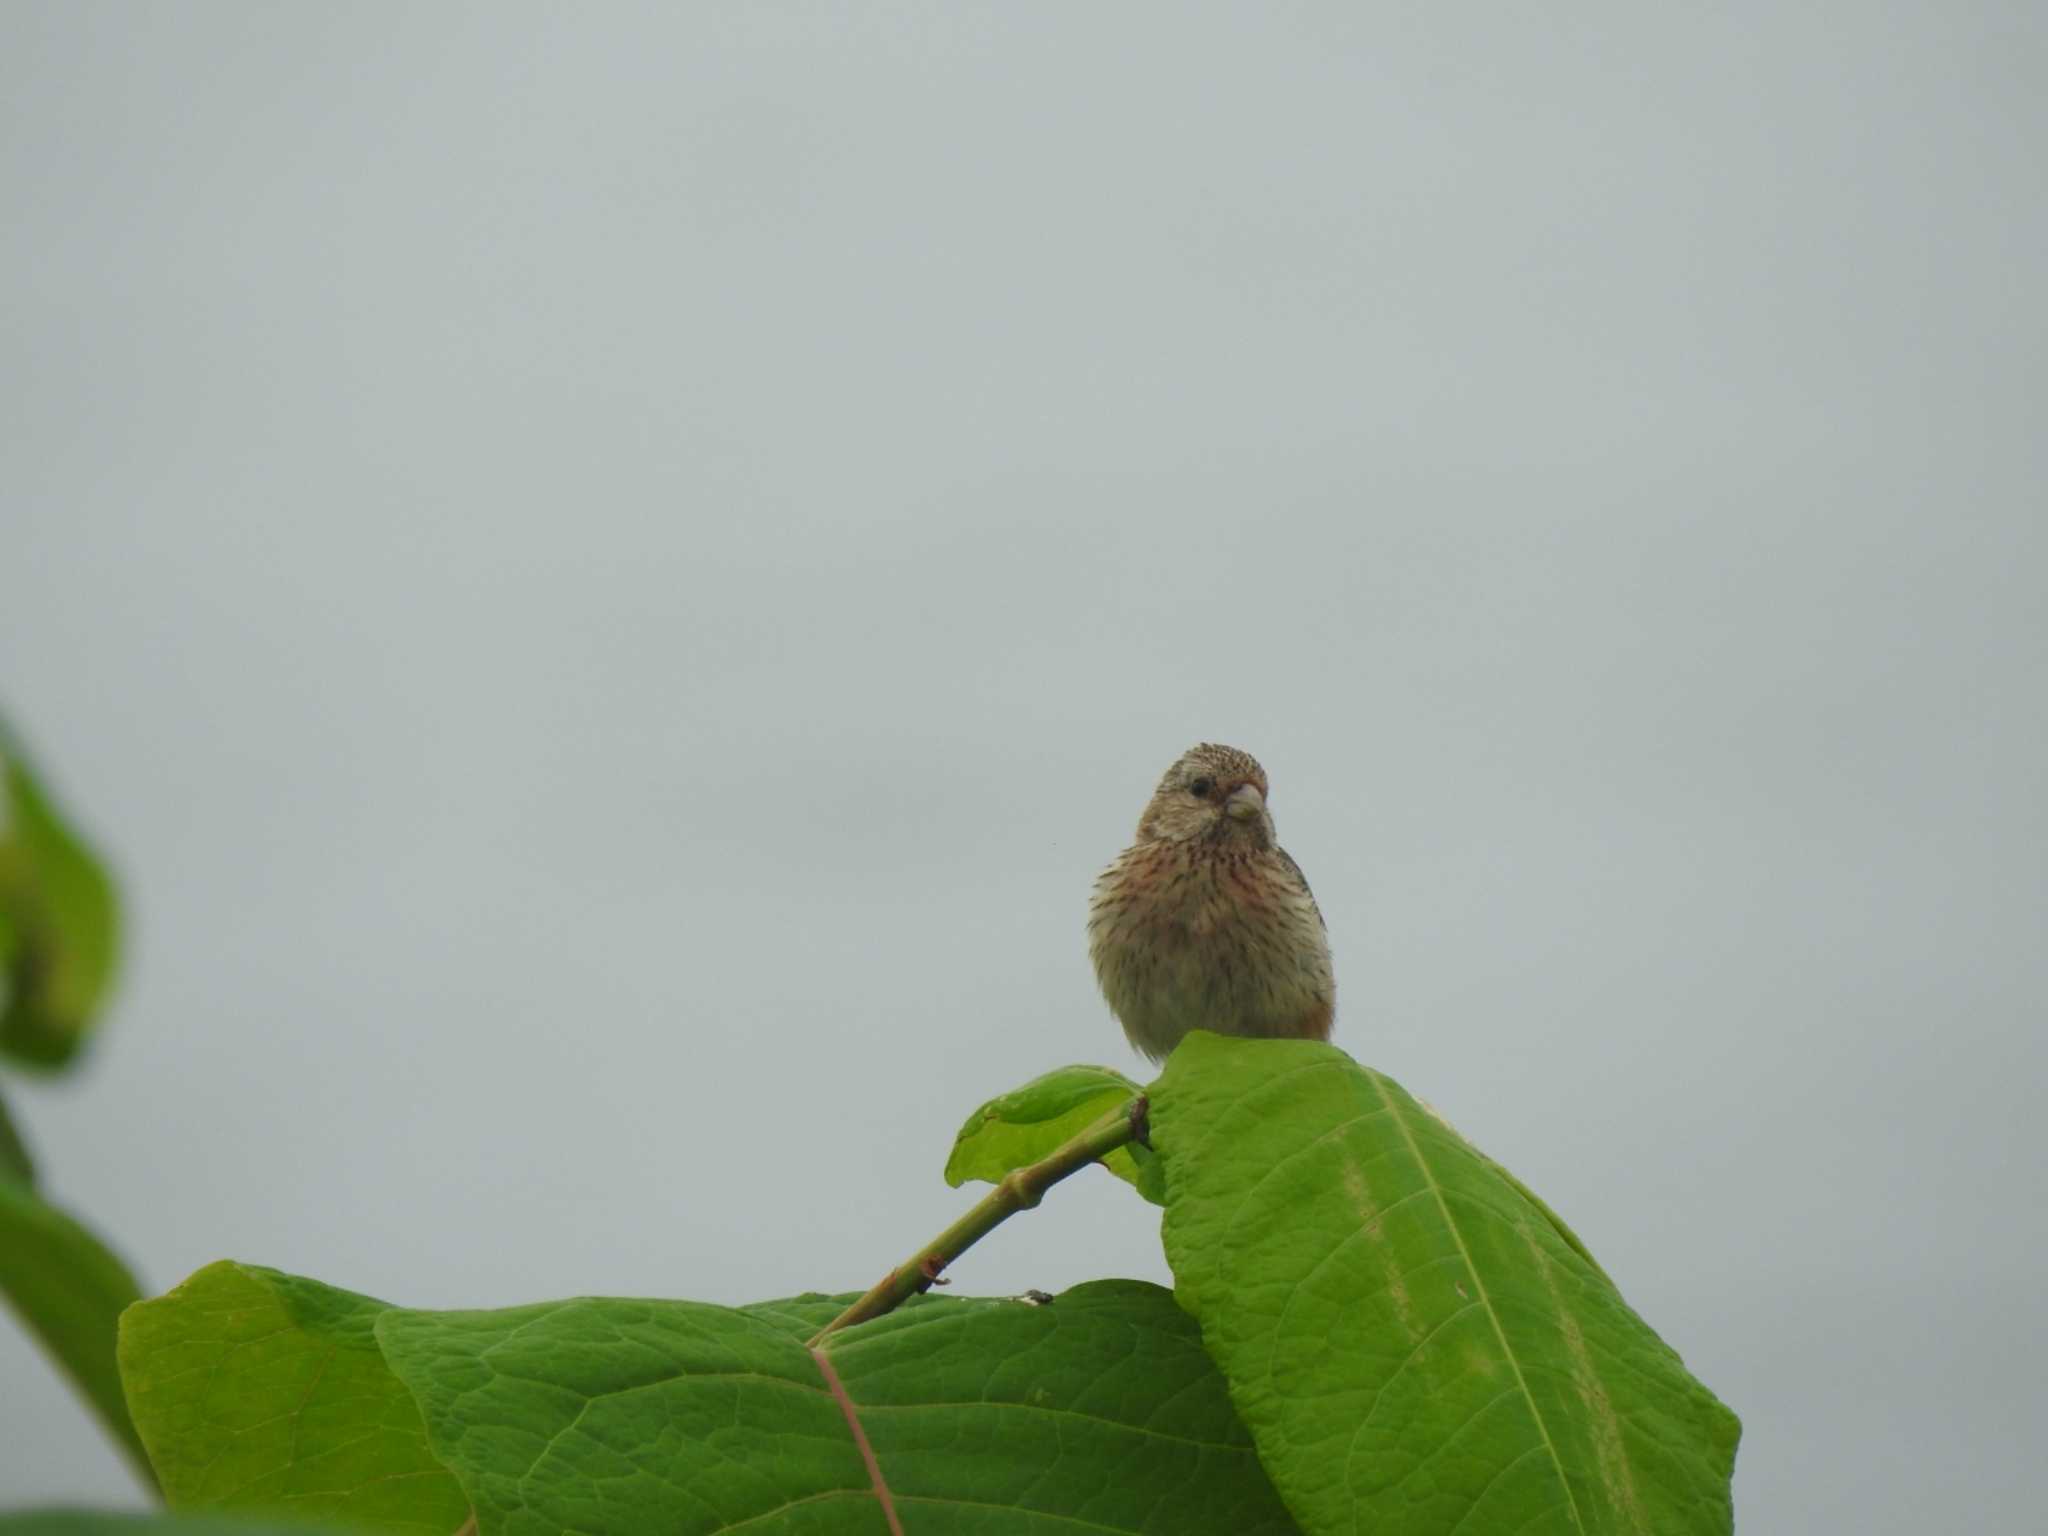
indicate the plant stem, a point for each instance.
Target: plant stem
{"x":1019,"y":1190}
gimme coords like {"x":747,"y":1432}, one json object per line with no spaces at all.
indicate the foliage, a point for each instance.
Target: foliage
{"x":1374,"y":1327}
{"x":1027,"y":1123}
{"x":69,"y":1289}
{"x":1414,"y":1345}
{"x":255,"y":1390}
{"x":92,"y":1522}
{"x":59,"y":935}
{"x":59,"y":923}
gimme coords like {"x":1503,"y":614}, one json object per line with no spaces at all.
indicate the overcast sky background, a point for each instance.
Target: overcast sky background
{"x":609,"y":576}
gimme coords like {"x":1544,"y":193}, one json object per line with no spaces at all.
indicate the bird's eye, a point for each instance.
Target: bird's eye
{"x":1200,"y":788}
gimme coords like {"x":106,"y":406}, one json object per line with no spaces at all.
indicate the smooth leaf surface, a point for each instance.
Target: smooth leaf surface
{"x":1026,"y":1124}
{"x":1415,"y":1346}
{"x":59,"y":925}
{"x":262,"y":1391}
{"x":68,"y":1290}
{"x":803,"y":1316}
{"x":97,"y":1522}
{"x":1098,"y":1412}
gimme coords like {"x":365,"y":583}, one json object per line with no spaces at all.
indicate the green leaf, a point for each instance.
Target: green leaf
{"x":257,"y":1390}
{"x":1028,"y":1123}
{"x":15,"y":1162}
{"x":1097,"y":1412}
{"x":1414,"y":1345}
{"x":98,"y":1522}
{"x":68,"y":1291}
{"x":802,"y":1316}
{"x":59,"y":926}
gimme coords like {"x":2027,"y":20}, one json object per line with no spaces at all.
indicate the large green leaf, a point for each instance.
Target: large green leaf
{"x":68,"y":1289}
{"x":58,"y":922}
{"x":1097,"y":1412}
{"x":1415,"y":1346}
{"x":261,"y":1391}
{"x":799,"y":1316}
{"x":1028,"y":1123}
{"x":99,"y":1522}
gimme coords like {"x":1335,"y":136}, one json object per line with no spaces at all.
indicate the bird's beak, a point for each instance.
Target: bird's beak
{"x":1244,"y":803}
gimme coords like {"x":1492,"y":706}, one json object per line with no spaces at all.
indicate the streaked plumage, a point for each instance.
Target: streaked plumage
{"x":1204,"y":922}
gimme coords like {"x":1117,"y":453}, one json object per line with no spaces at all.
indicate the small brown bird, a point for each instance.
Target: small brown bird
{"x":1204,"y":922}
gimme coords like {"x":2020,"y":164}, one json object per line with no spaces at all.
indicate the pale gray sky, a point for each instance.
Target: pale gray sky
{"x":609,"y":576}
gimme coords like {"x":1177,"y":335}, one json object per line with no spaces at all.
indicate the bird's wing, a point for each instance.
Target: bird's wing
{"x":1302,"y":880}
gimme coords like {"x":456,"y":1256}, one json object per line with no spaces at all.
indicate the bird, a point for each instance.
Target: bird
{"x":1204,"y":922}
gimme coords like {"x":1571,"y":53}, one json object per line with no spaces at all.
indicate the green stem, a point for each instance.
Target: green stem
{"x":1019,"y":1190}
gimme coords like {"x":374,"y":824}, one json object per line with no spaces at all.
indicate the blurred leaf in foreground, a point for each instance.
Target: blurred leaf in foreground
{"x":59,"y":923}
{"x":15,"y":1162}
{"x":68,"y":1290}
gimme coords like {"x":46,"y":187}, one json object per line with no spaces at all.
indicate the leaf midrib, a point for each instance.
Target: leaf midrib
{"x":1485,"y":1296}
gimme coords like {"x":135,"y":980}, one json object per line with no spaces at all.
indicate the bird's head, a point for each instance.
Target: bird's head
{"x":1212,"y":794}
